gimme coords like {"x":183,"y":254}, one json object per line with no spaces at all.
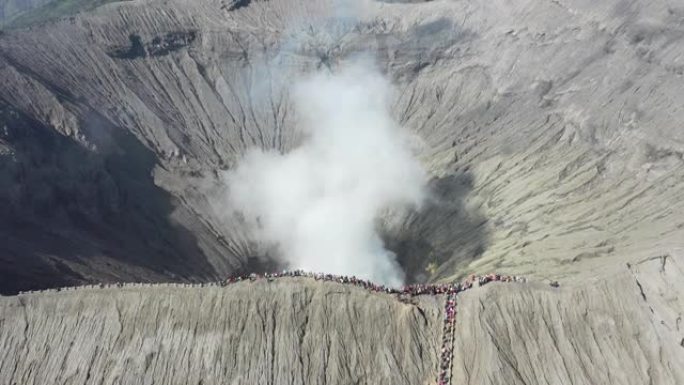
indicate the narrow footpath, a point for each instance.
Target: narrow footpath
{"x":446,"y":357}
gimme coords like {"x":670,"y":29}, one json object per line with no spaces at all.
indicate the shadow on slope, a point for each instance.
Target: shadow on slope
{"x":75,"y":215}
{"x":445,"y":234}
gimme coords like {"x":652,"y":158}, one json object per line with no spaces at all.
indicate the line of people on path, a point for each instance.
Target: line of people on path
{"x":450,"y":289}
{"x":446,"y":353}
{"x":448,"y":330}
{"x":408,"y":290}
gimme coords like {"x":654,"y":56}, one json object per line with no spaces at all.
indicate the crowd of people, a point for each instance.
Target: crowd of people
{"x":448,"y":289}
{"x":451,"y":290}
{"x":446,"y":353}
{"x":410,"y":290}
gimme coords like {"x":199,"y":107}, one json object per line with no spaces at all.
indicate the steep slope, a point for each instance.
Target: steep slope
{"x":550,"y":128}
{"x":19,"y":13}
{"x":621,"y":329}
{"x":281,"y":332}
{"x":551,"y":131}
{"x":9,"y":9}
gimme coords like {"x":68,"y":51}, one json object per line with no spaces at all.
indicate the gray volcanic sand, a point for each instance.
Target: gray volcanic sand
{"x":622,"y":330}
{"x":551,"y":130}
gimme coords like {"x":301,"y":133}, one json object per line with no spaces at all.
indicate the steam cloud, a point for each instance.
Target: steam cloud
{"x":319,"y":203}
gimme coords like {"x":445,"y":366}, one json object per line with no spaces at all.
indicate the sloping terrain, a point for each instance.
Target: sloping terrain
{"x":625,"y":328}
{"x":281,"y":332}
{"x":21,"y":13}
{"x":550,"y":128}
{"x":10,"y":9}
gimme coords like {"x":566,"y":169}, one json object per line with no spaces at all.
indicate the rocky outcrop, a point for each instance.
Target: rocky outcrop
{"x":158,"y":46}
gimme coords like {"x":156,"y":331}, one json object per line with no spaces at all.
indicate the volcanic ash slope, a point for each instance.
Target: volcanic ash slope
{"x":551,"y":129}
{"x":283,"y":332}
{"x":625,"y":329}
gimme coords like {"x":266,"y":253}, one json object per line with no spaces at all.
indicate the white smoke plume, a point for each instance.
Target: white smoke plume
{"x":318,"y":204}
